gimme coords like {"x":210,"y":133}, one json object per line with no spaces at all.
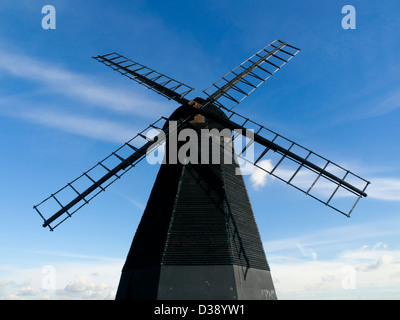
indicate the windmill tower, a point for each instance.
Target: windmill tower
{"x":198,"y":238}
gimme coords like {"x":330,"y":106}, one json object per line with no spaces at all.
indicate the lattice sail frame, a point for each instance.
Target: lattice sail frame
{"x":80,"y":191}
{"x":303,"y":169}
{"x":153,"y":80}
{"x":250,"y":74}
{"x":288,"y":161}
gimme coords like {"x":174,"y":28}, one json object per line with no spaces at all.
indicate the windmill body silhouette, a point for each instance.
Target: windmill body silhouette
{"x":198,"y":238}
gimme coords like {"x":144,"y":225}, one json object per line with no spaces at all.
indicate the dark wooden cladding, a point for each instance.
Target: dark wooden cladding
{"x":197,"y":214}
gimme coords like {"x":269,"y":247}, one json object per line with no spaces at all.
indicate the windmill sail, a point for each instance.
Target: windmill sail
{"x":303,"y":169}
{"x":249,"y":75}
{"x":160,"y":83}
{"x":66,"y":201}
{"x":198,"y":238}
{"x":282,"y":158}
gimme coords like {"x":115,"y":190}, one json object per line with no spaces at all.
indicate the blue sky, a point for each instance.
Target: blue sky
{"x":61,"y":112}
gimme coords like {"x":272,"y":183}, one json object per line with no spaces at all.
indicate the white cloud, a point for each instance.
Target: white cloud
{"x":106,"y":130}
{"x":84,"y":287}
{"x":383,"y":260}
{"x":65,"y":276}
{"x":259,"y":175}
{"x":81,"y":87}
{"x":40,"y":103}
{"x":139,"y":205}
{"x":380,"y":245}
{"x":355,"y":274}
{"x":385,"y":189}
{"x":307,"y":252}
{"x":374,"y":266}
{"x":386,"y":104}
{"x":339,"y":238}
{"x":79,"y":281}
{"x":80,"y":284}
{"x":27,"y":291}
{"x":328,"y":263}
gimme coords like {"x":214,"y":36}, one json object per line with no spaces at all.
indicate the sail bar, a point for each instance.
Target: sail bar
{"x":296,"y":165}
{"x":160,"y":83}
{"x":79,"y":192}
{"x":249,"y":75}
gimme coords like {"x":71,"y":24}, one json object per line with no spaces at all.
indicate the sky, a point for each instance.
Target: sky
{"x":61,"y":112}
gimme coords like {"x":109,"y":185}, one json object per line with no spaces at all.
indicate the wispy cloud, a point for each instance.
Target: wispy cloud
{"x":379,"y":98}
{"x":46,"y":84}
{"x":356,"y":263}
{"x":388,"y":104}
{"x":381,"y":188}
{"x":373,"y":268}
{"x":101,"y":129}
{"x":387,"y":189}
{"x":78,"y":86}
{"x":334,"y":238}
{"x":59,"y":275}
{"x":140,"y":206}
{"x":59,"y":281}
{"x":357,"y":274}
{"x":307,"y":252}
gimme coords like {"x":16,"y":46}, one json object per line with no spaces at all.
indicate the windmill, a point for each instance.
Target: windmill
{"x":197,"y":238}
